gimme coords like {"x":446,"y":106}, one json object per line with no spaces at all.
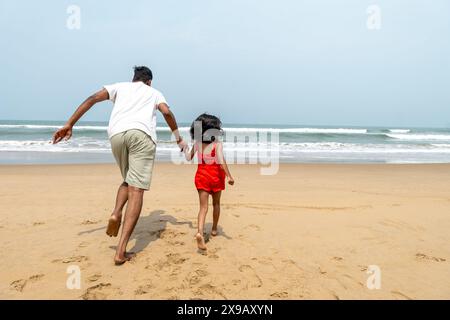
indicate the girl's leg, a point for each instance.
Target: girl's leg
{"x":216,"y":211}
{"x":203,"y":199}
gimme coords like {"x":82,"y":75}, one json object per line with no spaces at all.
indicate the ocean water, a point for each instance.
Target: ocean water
{"x":29,"y":142}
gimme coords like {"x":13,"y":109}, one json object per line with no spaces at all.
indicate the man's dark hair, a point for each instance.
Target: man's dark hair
{"x":142,"y":73}
{"x":210,"y":127}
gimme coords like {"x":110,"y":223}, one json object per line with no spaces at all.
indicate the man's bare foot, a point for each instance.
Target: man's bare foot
{"x":113,"y":226}
{"x":214,"y":233}
{"x":200,"y":241}
{"x":126,"y":257}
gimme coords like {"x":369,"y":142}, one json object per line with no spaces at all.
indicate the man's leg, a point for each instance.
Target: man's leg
{"x":116,"y":216}
{"x":121,"y":200}
{"x":120,"y":152}
{"x":134,"y":206}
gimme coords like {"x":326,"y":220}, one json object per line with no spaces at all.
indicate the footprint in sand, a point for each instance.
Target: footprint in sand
{"x":253,"y":280}
{"x":321,"y":271}
{"x":281,"y":295}
{"x":235,"y":282}
{"x":36,"y":277}
{"x":97,"y":292}
{"x":74,"y":259}
{"x":171,"y":237}
{"x":400,"y":295}
{"x":38,"y":223}
{"x":196,"y":276}
{"x":175,"y":258}
{"x":83,"y":244}
{"x":20,"y":284}
{"x":143,"y":289}
{"x":254,"y":227}
{"x":167,"y":234}
{"x":213,"y":252}
{"x":266,"y":261}
{"x":210,"y":291}
{"x":337,"y":258}
{"x":171,"y":260}
{"x":176,"y":243}
{"x":88,"y":222}
{"x":94,"y":277}
{"x":422,"y":256}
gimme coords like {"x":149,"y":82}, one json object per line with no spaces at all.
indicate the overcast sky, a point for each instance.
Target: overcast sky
{"x":294,"y":62}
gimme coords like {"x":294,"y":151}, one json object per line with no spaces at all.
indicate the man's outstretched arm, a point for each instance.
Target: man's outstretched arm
{"x":66,"y":131}
{"x":172,"y":123}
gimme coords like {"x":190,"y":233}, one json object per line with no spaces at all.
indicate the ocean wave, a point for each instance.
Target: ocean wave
{"x":75,"y":145}
{"x":333,"y":147}
{"x":419,"y":137}
{"x":103,"y":146}
{"x":300,"y":130}
{"x":441,"y":145}
{"x":44,"y":127}
{"x":399,"y":130}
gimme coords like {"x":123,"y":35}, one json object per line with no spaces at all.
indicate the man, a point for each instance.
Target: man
{"x":132,"y":132}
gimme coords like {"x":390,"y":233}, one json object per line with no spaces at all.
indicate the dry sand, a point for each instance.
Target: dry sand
{"x":311,"y":231}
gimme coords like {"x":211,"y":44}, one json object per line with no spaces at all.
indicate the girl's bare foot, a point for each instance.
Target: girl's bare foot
{"x":214,"y":233}
{"x":127,"y":257}
{"x":200,"y":241}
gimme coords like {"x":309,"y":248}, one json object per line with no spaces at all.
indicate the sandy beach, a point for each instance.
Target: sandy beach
{"x":311,"y":231}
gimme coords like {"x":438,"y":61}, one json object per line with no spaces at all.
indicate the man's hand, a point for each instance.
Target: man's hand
{"x":66,"y":131}
{"x":63,"y":133}
{"x":182,"y":145}
{"x":230,"y":181}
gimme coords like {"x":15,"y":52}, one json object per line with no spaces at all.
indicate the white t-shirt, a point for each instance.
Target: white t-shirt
{"x":135,"y":105}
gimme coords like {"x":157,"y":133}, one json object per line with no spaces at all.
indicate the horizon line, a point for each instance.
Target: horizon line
{"x":272,"y":124}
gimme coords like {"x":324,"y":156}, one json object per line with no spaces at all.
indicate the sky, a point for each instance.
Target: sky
{"x":310,"y":62}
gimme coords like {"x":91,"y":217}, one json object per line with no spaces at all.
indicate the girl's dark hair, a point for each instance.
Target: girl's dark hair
{"x":210,"y":126}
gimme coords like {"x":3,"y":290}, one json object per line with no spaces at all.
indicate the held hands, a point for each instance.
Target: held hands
{"x":182,"y":145}
{"x":63,"y":133}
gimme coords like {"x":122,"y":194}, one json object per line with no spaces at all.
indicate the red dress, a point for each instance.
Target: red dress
{"x":210,"y":176}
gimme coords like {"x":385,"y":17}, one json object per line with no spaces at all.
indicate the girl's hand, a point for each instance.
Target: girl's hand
{"x":230,"y":181}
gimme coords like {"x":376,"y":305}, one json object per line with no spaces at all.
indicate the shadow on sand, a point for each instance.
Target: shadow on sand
{"x":150,"y":227}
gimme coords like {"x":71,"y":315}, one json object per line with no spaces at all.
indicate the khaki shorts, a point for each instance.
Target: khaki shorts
{"x":134,"y":151}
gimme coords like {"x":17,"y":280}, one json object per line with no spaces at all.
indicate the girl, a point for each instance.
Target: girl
{"x":211,"y":170}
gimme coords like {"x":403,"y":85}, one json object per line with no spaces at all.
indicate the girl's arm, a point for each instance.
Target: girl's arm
{"x":223,"y":163}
